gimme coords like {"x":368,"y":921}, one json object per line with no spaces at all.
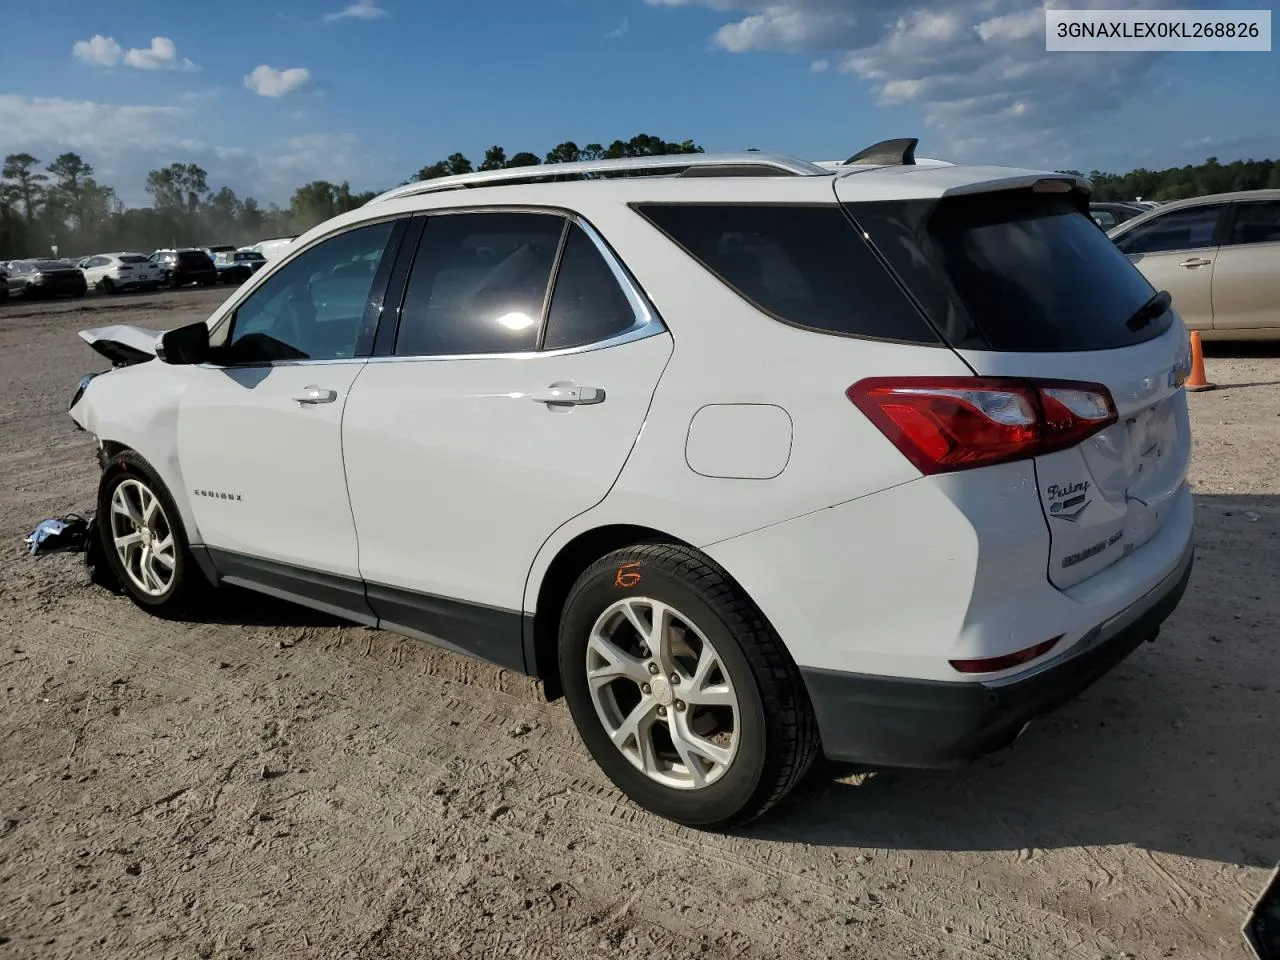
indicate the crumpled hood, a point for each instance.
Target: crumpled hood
{"x":123,"y":344}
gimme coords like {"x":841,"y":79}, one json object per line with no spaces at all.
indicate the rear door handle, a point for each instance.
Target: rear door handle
{"x":567,"y":394}
{"x":313,"y":394}
{"x":1195,"y":262}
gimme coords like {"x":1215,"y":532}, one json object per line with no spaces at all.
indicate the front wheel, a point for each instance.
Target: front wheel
{"x":680,"y":689}
{"x":144,"y":540}
{"x":108,"y":285}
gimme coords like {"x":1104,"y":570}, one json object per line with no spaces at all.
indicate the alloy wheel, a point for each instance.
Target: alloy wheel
{"x":143,"y":539}
{"x":662,"y":692}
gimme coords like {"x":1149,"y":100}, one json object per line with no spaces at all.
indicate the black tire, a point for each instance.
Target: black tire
{"x":209,"y":283}
{"x":776,"y":729}
{"x":175,"y":282}
{"x":108,"y":285}
{"x":188,"y":587}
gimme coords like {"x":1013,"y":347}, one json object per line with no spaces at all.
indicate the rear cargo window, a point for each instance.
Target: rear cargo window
{"x":1013,"y":271}
{"x":804,"y":265}
{"x":132,"y":258}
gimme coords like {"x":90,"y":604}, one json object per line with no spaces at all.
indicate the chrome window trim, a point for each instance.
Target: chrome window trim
{"x":647,"y":324}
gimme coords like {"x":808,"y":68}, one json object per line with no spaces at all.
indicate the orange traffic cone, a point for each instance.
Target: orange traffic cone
{"x":1197,"y":381}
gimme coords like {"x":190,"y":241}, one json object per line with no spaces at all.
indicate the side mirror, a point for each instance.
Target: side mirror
{"x":185,"y":345}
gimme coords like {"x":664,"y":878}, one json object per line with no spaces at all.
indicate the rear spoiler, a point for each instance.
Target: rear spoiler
{"x":123,"y":344}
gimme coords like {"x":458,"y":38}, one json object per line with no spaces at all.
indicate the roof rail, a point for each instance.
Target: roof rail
{"x":676,"y":164}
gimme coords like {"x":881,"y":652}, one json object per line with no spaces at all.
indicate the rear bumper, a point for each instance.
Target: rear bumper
{"x":892,"y":721}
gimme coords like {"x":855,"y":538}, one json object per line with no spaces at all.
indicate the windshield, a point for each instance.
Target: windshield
{"x":1013,"y":271}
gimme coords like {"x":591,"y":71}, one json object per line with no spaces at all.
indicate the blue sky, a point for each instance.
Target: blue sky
{"x":268,"y":95}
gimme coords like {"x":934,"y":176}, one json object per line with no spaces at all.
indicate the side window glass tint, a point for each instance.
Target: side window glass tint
{"x":587,"y":305}
{"x":804,"y":265}
{"x":312,"y":308}
{"x":478,"y":284}
{"x":1257,"y":222}
{"x":1178,"y":230}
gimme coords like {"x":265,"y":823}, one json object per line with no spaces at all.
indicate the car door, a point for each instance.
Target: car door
{"x":514,"y":387}
{"x":1176,"y":251}
{"x":259,"y":439}
{"x":93,"y":269}
{"x":1246,"y":279}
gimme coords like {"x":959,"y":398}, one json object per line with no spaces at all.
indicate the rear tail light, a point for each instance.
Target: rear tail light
{"x":943,"y":424}
{"x":995,"y":664}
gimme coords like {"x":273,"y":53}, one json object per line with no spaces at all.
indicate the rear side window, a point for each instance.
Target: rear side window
{"x":132,"y":258}
{"x":1013,"y":271}
{"x":1177,"y":230}
{"x":805,"y":265}
{"x":1257,"y":222}
{"x":587,"y":306}
{"x":478,"y":284}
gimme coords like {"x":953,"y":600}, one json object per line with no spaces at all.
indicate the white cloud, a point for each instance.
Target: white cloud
{"x":267,"y":81}
{"x":100,"y":51}
{"x":360,"y":10}
{"x":161,"y":55}
{"x":966,"y":65}
{"x":820,"y":66}
{"x":620,"y":30}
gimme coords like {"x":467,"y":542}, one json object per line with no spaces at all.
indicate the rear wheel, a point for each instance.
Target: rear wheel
{"x":144,"y":540}
{"x":681,"y":690}
{"x":209,"y":283}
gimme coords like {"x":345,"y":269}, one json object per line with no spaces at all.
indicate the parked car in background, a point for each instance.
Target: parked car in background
{"x":1218,"y":255}
{"x":185,"y":266}
{"x":46,"y":278}
{"x":1108,"y":214}
{"x":112,"y":272}
{"x":272,"y":248}
{"x":233,"y":267}
{"x":218,"y":248}
{"x":915,"y":475}
{"x":4,"y":282}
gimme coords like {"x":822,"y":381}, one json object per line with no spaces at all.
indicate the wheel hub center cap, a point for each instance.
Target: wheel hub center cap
{"x":145,"y":534}
{"x":661,"y":690}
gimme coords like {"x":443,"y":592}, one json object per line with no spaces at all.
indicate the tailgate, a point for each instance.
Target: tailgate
{"x":1021,"y":283}
{"x":1109,"y":495}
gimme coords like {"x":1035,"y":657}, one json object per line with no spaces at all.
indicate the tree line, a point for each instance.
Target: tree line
{"x":64,"y":207}
{"x":1177,"y":183}
{"x":61,"y":204}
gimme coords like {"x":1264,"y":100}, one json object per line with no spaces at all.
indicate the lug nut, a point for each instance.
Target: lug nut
{"x":675,"y":678}
{"x":662,"y":711}
{"x":653,"y":668}
{"x":680,"y":705}
{"x":644,"y":688}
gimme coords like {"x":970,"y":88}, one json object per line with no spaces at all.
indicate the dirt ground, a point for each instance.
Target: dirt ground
{"x":276,"y":784}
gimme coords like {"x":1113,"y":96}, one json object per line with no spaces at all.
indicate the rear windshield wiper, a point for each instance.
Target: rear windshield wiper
{"x":1153,"y":308}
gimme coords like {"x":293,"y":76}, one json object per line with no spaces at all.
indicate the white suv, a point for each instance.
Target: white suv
{"x":747,"y":457}
{"x":112,"y":272}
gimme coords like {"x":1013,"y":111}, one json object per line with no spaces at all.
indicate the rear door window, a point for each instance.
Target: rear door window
{"x":1256,"y":221}
{"x":479,"y":284}
{"x":1187,"y":229}
{"x":804,"y":265}
{"x":1013,"y":271}
{"x":587,"y":306}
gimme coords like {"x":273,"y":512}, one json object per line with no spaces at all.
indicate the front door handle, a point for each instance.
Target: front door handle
{"x":568,"y":395}
{"x":1195,"y":262}
{"x":313,"y":394}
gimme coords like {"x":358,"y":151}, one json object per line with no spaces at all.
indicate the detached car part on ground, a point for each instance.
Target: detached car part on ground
{"x":915,"y":475}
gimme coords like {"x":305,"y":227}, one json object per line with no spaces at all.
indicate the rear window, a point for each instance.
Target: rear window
{"x":194,"y":258}
{"x":133,"y":258}
{"x":805,"y":265}
{"x":1013,"y":271}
